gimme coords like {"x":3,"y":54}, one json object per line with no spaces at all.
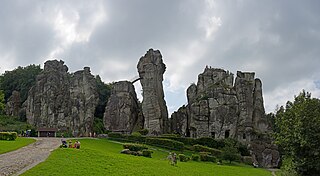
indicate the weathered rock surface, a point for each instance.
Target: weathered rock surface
{"x":62,"y":100}
{"x":122,"y":110}
{"x":264,"y":154}
{"x":13,"y":105}
{"x":220,"y":108}
{"x":151,"y":69}
{"x":179,"y":122}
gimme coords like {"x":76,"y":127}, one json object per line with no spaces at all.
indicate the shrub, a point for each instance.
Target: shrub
{"x":205,"y":156}
{"x":136,"y":138}
{"x":230,"y":154}
{"x":134,"y":147}
{"x":143,"y":131}
{"x":195,"y":157}
{"x":9,"y":136}
{"x":209,"y":142}
{"x":115,"y":135}
{"x":165,"y":143}
{"x":183,"y":158}
{"x":170,"y":135}
{"x":184,"y":140}
{"x":146,"y":153}
{"x":201,"y":148}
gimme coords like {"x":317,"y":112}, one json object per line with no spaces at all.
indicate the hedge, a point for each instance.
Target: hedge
{"x":201,"y":148}
{"x":134,"y":147}
{"x":183,"y":158}
{"x":9,"y":136}
{"x":205,"y":156}
{"x":165,"y":143}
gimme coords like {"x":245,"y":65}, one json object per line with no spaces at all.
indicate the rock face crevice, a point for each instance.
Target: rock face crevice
{"x":122,"y":110}
{"x":151,"y":69}
{"x":62,"y":100}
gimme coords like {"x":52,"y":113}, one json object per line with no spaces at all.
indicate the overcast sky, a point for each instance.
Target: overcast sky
{"x":278,"y":40}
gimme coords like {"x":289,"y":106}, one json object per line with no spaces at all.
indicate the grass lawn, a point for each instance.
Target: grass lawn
{"x":7,"y":146}
{"x":102,"y":157}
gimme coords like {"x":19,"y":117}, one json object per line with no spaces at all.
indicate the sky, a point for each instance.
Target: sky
{"x":278,"y":40}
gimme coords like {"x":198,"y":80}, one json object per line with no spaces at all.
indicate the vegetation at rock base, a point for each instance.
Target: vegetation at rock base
{"x":20,"y":79}
{"x":9,"y":123}
{"x":103,"y":157}
{"x":298,"y":133}
{"x":7,"y":146}
{"x":2,"y":102}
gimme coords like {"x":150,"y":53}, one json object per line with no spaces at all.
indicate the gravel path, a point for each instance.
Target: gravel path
{"x":18,"y":161}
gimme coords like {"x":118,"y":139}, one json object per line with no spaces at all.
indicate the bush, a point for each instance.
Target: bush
{"x":134,"y":147}
{"x":183,"y":158}
{"x":9,"y":136}
{"x":143,"y":131}
{"x":195,"y":157}
{"x":184,"y":140}
{"x":115,"y":135}
{"x":205,"y":156}
{"x":201,"y":148}
{"x":170,"y":135}
{"x":165,"y":143}
{"x":230,"y":154}
{"x":136,"y":138}
{"x":147,"y":153}
{"x":207,"y":141}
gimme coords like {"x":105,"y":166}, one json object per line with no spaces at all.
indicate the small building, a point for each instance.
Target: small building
{"x":47,"y":132}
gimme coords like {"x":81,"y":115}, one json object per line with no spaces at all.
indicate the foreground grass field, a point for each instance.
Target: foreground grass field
{"x":7,"y":146}
{"x":102,"y":157}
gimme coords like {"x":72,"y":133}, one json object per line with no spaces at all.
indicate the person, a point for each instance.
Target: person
{"x":64,"y":143}
{"x":70,"y":144}
{"x":174,"y":158}
{"x":170,"y":159}
{"x":77,"y":144}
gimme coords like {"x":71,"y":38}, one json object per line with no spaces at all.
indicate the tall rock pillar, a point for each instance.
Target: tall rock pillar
{"x":151,"y":69}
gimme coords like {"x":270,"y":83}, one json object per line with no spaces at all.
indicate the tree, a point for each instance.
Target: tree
{"x":298,"y":133}
{"x":230,"y":153}
{"x":2,"y":103}
{"x":20,"y":79}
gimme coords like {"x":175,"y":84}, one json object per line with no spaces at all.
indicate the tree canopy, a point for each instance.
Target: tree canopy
{"x":298,"y":133}
{"x":20,"y":79}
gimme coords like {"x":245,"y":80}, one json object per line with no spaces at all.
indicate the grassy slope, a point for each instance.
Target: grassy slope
{"x":7,"y":146}
{"x":102,"y":157}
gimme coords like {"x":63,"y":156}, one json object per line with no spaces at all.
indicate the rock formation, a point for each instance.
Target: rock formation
{"x":13,"y":104}
{"x":62,"y":100}
{"x":151,"y":69}
{"x":220,"y":108}
{"x":122,"y":110}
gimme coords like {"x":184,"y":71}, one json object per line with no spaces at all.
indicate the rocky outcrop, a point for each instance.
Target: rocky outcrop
{"x":179,"y":122}
{"x":62,"y":100}
{"x":220,"y":108}
{"x":265,"y":154}
{"x":13,"y":105}
{"x":122,"y":110}
{"x":151,"y":69}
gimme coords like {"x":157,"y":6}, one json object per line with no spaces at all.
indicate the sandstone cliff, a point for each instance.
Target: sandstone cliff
{"x":122,"y":110}
{"x":62,"y":100}
{"x":13,"y":104}
{"x":151,"y":69}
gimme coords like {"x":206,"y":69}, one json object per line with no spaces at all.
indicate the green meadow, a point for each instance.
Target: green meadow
{"x":7,"y":146}
{"x":102,"y":157}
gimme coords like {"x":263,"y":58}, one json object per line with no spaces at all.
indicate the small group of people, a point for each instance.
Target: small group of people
{"x":172,"y":157}
{"x":70,"y":144}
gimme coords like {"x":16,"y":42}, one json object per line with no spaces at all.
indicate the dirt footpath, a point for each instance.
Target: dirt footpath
{"x":18,"y":161}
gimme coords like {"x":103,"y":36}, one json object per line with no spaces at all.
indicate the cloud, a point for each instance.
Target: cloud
{"x":279,"y":40}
